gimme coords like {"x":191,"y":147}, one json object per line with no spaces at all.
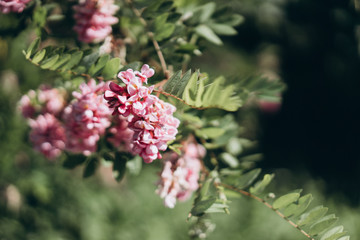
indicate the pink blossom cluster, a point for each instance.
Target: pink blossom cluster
{"x":44,"y":100}
{"x":180,"y":174}
{"x":7,"y":6}
{"x":150,"y":118}
{"x":57,"y":125}
{"x":86,"y":118}
{"x":47,"y":135}
{"x":94,"y":19}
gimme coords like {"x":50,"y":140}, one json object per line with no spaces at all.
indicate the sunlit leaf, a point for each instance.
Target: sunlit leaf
{"x":261,"y":185}
{"x":39,"y":56}
{"x":206,"y":32}
{"x":312,"y":216}
{"x":296,"y":209}
{"x":48,"y":63}
{"x":286,"y":200}
{"x":323,"y":224}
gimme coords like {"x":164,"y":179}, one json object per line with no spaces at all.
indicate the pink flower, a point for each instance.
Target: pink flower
{"x":47,"y":135}
{"x":94,"y":19}
{"x":7,"y":6}
{"x":44,"y":100}
{"x":150,"y":118}
{"x":180,"y":174}
{"x":86,"y":118}
{"x":121,"y":134}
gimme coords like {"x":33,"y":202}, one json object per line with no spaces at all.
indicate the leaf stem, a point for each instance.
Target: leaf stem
{"x":267,"y":205}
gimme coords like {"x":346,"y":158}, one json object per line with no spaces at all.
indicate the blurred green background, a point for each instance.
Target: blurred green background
{"x":310,"y":143}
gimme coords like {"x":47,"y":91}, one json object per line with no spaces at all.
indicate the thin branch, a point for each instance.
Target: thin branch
{"x":177,"y":98}
{"x":267,"y":205}
{"x":151,"y":36}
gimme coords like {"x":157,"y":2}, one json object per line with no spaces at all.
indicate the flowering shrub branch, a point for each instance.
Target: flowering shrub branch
{"x":104,"y":110}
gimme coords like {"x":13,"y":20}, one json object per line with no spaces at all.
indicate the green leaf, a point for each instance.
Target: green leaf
{"x":323,"y":224}
{"x":229,"y":159}
{"x":89,"y":60}
{"x":208,"y":133}
{"x":202,"y":206}
{"x":206,"y":11}
{"x":312,"y":216}
{"x":217,"y":208}
{"x":344,"y":238}
{"x":164,"y":32}
{"x":331,"y":232}
{"x":74,"y":60}
{"x":170,"y":85}
{"x":232,"y":20}
{"x":234,"y":146}
{"x":176,"y":148}
{"x":286,"y":200}
{"x":248,"y":178}
{"x":191,"y":89}
{"x":91,"y":165}
{"x":39,"y":56}
{"x":34,"y":45}
{"x":73,"y":161}
{"x":62,"y":60}
{"x":119,"y":167}
{"x":296,"y":209}
{"x":96,"y":68}
{"x":186,"y":48}
{"x":199,"y":94}
{"x":48,"y":63}
{"x":180,"y":86}
{"x":222,"y":29}
{"x":261,"y":185}
{"x":111,"y":69}
{"x":206,"y":32}
{"x":334,"y":233}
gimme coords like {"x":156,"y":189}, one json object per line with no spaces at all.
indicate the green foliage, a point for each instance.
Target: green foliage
{"x":76,"y":61}
{"x":201,"y":92}
{"x":178,"y":26}
{"x":291,"y":207}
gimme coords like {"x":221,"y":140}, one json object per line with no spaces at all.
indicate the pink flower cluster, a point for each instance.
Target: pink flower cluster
{"x":180,"y":174}
{"x":44,"y":100}
{"x":47,"y":135}
{"x":7,"y":6}
{"x":141,"y":123}
{"x":94,"y":19}
{"x":76,"y":127}
{"x":86,"y":119}
{"x":150,"y":118}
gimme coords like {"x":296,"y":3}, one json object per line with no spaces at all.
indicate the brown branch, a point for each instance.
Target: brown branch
{"x":267,"y":205}
{"x":151,"y":36}
{"x":177,"y":98}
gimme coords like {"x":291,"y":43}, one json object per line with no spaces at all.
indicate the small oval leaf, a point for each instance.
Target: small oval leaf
{"x":286,"y":200}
